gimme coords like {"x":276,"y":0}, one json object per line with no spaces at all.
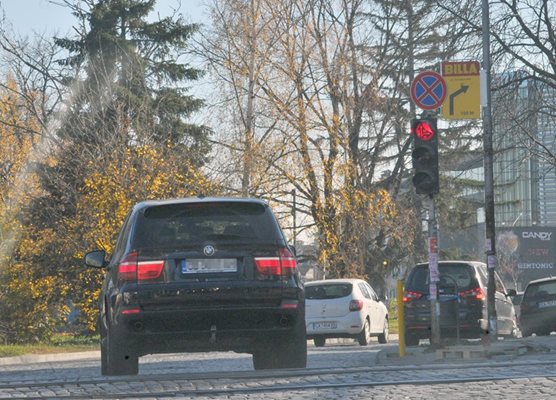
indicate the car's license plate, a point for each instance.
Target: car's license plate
{"x":319,"y":326}
{"x":544,"y":304}
{"x":208,"y":265}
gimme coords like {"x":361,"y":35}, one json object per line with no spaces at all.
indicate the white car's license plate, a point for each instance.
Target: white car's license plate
{"x":544,"y":304}
{"x":320,"y":326}
{"x":208,"y":265}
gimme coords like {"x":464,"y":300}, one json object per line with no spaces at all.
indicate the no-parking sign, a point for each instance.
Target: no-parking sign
{"x":428,"y":90}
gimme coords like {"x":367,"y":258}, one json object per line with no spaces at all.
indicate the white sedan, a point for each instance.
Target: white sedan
{"x":344,"y":308}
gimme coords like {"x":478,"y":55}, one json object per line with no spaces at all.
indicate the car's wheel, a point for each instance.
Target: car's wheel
{"x":383,"y":337}
{"x":296,"y":352}
{"x":411,"y":340}
{"x":290,"y":353}
{"x":514,"y":333}
{"x":119,"y":358}
{"x":365,"y":335}
{"x":104,"y":370}
{"x":319,"y":341}
{"x":262,"y":358}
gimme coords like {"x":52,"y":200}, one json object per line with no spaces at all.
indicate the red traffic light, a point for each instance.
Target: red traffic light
{"x":424,"y":131}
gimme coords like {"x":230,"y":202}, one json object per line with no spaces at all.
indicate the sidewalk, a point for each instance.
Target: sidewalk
{"x":471,"y":351}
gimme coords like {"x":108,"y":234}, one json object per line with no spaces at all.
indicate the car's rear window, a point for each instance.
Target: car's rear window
{"x":450,"y":275}
{"x":541,"y":289}
{"x":328,"y":291}
{"x":173,"y":225}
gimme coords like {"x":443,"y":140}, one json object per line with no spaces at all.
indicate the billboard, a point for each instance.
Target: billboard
{"x":526,"y":253}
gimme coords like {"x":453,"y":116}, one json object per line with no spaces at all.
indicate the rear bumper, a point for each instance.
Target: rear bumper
{"x":349,"y":325}
{"x":538,"y":322}
{"x":206,"y":329}
{"x":470,"y":323}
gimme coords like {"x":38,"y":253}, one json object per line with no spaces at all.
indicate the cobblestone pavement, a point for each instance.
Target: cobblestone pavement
{"x":346,"y":372}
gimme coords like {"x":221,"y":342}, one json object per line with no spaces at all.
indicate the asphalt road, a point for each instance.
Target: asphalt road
{"x":345,"y":371}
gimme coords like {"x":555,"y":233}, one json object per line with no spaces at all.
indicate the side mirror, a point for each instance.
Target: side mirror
{"x":95,"y":259}
{"x":511,"y":293}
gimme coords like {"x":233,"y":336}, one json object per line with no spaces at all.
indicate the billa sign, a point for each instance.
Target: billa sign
{"x":463,"y":97}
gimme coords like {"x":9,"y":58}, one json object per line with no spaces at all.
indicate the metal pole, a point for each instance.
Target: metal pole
{"x":492,"y":329}
{"x":433,"y":275}
{"x":401,"y":322}
{"x":294,"y":219}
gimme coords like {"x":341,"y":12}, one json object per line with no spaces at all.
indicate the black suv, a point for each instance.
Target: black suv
{"x":462,"y":297}
{"x":201,"y":274}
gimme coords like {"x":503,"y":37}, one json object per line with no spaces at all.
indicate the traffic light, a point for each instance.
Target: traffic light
{"x":425,"y":155}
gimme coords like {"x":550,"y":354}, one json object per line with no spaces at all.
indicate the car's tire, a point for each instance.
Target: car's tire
{"x":119,"y":358}
{"x":104,"y":370}
{"x":383,"y":337}
{"x":296,"y":352}
{"x":514,"y":333}
{"x":290,"y":353}
{"x":364,"y":337}
{"x":262,"y":359}
{"x":319,"y":341}
{"x":411,"y":340}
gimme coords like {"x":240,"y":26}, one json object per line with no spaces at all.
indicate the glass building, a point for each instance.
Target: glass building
{"x":524,"y":123}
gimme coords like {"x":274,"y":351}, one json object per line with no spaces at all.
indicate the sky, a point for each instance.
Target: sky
{"x":50,"y":16}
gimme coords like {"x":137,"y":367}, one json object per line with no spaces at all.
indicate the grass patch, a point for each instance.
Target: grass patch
{"x":393,"y":317}
{"x":59,"y":344}
{"x":393,"y":325}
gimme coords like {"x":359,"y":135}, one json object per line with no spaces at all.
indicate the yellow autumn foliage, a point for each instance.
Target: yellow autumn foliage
{"x":26,"y":316}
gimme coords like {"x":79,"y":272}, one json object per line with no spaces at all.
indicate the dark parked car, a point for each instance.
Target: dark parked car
{"x":538,"y":307}
{"x":201,"y":274}
{"x":462,"y":297}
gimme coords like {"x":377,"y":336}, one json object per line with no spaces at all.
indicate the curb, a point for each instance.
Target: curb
{"x":44,"y":358}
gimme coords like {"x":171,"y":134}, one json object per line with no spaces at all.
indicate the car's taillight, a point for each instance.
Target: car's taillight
{"x":474,"y":293}
{"x":131,"y":269}
{"x":284,"y":264}
{"x":355,"y":305}
{"x":288,"y":262}
{"x":409,"y":295}
{"x":127,"y":270}
{"x":268,"y":265}
{"x":147,"y":270}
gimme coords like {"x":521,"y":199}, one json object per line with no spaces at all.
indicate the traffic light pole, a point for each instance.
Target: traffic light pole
{"x":492,"y":329}
{"x":433,"y":274}
{"x":426,"y":181}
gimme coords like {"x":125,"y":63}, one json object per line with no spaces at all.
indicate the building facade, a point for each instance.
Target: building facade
{"x":524,"y":135}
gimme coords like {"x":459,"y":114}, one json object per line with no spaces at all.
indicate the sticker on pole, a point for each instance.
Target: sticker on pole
{"x":428,"y":90}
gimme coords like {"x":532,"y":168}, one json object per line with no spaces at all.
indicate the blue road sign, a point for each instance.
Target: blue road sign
{"x":428,"y":90}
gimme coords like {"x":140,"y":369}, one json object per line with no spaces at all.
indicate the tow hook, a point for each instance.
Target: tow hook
{"x":212,"y":339}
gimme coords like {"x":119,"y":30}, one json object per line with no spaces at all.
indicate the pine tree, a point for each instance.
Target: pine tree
{"x":137,"y":63}
{"x":128,"y":101}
